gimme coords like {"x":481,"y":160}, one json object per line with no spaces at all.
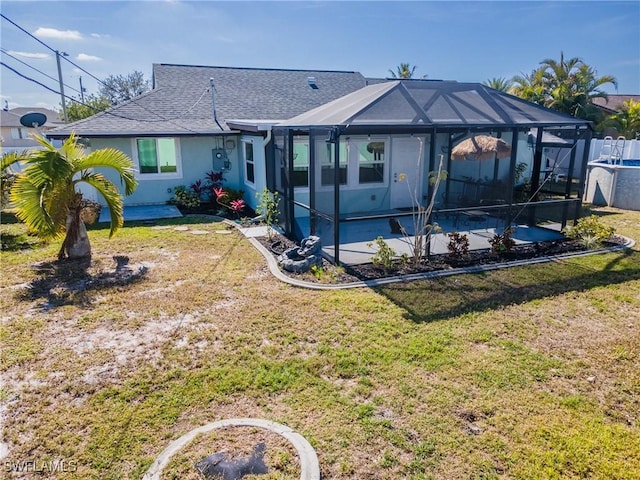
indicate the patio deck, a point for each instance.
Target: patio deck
{"x":355,"y":235}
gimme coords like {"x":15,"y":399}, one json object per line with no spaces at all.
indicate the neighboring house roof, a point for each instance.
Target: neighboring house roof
{"x":613,"y":103}
{"x":405,"y":103}
{"x":10,"y":119}
{"x":181,"y":101}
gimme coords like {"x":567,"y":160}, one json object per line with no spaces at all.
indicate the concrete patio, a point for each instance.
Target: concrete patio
{"x":356,"y":235}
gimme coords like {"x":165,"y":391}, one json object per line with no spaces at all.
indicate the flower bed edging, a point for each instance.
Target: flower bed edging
{"x":275,"y":269}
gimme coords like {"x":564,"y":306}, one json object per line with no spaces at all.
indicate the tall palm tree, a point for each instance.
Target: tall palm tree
{"x":568,"y":86}
{"x":404,"y":70}
{"x":45,"y":197}
{"x":502,"y":84}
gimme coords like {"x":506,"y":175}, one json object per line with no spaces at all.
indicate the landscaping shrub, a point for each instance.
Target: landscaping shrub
{"x":458,"y":245}
{"x":502,"y":243}
{"x":185,"y":198}
{"x":590,"y":231}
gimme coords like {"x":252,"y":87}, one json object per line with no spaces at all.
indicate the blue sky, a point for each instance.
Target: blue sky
{"x":464,"y":41}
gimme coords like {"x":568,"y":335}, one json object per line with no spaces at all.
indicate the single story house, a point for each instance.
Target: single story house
{"x":197,"y":119}
{"x":342,"y":148}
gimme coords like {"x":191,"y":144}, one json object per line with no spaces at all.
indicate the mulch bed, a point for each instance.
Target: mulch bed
{"x":332,"y":274}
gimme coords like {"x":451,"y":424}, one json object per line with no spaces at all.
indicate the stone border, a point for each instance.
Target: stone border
{"x":309,"y":466}
{"x":275,"y":269}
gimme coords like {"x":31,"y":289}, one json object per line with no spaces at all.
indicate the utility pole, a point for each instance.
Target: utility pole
{"x":82,"y":90}
{"x":64,"y":104}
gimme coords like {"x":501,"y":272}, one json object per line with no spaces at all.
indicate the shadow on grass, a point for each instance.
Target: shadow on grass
{"x":14,"y":237}
{"x":70,"y":282}
{"x":447,"y":297}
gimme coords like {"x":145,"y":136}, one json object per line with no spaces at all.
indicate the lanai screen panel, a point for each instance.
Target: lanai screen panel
{"x":396,"y":107}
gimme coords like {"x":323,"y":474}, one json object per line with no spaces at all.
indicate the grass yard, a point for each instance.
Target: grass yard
{"x":524,"y":373}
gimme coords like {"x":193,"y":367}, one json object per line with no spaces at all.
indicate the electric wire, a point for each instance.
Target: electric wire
{"x":107,"y":112}
{"x":162,"y":119}
{"x":4,"y":51}
{"x":29,"y":78}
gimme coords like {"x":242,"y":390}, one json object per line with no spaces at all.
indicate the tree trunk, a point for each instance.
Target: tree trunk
{"x":76,"y":242}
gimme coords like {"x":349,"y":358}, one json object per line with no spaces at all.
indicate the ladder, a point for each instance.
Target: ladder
{"x":617,"y":151}
{"x":612,"y":151}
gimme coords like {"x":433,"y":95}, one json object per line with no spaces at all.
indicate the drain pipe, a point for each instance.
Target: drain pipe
{"x":213,"y":101}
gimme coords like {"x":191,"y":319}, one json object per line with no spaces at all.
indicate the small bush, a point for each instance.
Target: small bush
{"x":268,"y":206}
{"x":590,"y":231}
{"x":185,"y":198}
{"x":458,"y":245}
{"x":383,"y":257}
{"x":503,"y":243}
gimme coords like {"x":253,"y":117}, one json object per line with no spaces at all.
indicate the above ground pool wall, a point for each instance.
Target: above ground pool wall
{"x":613,"y":185}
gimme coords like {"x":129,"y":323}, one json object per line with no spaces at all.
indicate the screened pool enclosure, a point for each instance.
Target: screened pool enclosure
{"x":368,"y":157}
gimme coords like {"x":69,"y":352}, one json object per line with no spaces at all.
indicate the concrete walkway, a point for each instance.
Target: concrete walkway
{"x":143,"y":212}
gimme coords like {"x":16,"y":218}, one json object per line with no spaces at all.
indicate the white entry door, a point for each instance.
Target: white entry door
{"x":406,"y":171}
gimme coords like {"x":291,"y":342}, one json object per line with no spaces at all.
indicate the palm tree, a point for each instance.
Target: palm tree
{"x":45,"y":197}
{"x":627,"y":120}
{"x":530,"y":87}
{"x":502,"y":84}
{"x":570,"y":86}
{"x":404,"y":70}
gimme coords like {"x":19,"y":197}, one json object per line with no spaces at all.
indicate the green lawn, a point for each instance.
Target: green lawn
{"x":525,"y":373}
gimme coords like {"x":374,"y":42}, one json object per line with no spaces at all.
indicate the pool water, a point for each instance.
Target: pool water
{"x":625,"y":163}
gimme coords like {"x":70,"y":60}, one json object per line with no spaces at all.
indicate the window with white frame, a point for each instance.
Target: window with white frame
{"x":249,"y":165}
{"x":157,"y":156}
{"x":371,"y":161}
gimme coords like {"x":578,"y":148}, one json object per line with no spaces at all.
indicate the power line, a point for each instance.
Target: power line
{"x":32,"y":36}
{"x":29,"y":78}
{"x":34,"y":68}
{"x":106,"y":112}
{"x":97,"y":79}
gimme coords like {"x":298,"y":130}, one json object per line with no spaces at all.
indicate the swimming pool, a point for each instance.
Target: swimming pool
{"x":614,"y":185}
{"x":627,"y":162}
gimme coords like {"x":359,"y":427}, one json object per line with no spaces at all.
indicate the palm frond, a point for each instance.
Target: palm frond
{"x":28,"y":200}
{"x":12,"y":158}
{"x":111,"y":158}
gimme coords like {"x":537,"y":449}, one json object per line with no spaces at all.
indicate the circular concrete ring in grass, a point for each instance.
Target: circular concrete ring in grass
{"x":309,"y":466}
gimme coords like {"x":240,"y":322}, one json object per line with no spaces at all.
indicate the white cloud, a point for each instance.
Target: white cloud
{"x":100,"y":35}
{"x":83,"y":57}
{"x":37,"y":56}
{"x":59,"y":34}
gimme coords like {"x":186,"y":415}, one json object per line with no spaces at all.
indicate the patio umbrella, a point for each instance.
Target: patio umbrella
{"x":481,"y":147}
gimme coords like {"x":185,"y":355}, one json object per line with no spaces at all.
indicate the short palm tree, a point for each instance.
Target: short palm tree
{"x":45,"y":197}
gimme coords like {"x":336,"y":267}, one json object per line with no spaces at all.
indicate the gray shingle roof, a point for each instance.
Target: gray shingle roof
{"x":181,"y":102}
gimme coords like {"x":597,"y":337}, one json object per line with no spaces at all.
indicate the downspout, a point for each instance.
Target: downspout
{"x":213,"y":101}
